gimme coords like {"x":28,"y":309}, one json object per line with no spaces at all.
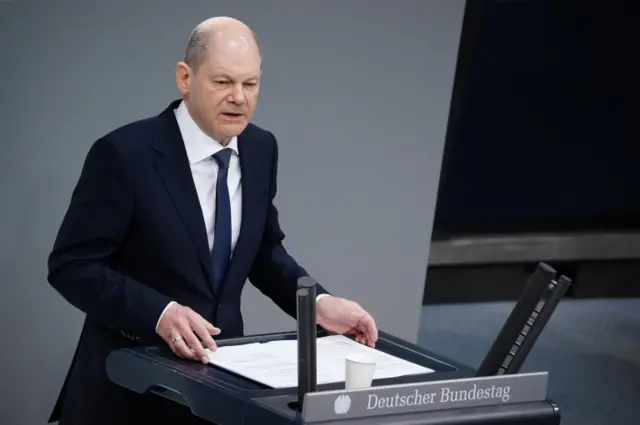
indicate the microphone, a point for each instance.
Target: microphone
{"x":306,"y":322}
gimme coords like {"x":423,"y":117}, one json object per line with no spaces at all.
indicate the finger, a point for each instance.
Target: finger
{"x":212,"y":329}
{"x":201,"y":331}
{"x":369,"y":329}
{"x":177,"y":352}
{"x":196,"y":318}
{"x":173,"y":348}
{"x":192,"y":340}
{"x":179,"y":346}
{"x":361,"y":338}
{"x":204,"y":330}
{"x":357,"y":334}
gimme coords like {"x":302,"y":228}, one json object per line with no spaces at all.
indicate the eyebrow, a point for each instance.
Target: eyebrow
{"x":229,"y":77}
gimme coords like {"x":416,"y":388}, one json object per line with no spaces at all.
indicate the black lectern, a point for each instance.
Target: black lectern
{"x":452,"y":394}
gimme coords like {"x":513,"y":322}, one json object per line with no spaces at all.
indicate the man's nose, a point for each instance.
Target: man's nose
{"x":237,"y":96}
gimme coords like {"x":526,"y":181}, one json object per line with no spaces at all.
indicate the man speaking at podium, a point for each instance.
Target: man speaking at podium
{"x":170,"y":216}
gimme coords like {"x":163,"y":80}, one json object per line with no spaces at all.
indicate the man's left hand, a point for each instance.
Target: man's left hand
{"x":342,"y":316}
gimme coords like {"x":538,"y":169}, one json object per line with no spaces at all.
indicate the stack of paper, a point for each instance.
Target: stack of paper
{"x":275,"y":364}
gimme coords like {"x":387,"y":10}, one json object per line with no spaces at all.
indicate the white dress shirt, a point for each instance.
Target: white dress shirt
{"x":204,"y":169}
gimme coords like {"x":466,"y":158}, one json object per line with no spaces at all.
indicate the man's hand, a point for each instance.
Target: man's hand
{"x":342,"y":316}
{"x":183,"y":329}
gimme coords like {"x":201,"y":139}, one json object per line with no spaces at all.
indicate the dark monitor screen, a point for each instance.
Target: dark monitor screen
{"x":539,"y":137}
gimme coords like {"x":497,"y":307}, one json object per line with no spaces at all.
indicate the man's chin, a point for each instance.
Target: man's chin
{"x":229,"y":131}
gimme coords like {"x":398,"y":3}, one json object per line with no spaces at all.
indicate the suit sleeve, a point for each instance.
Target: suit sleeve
{"x":92,"y":230}
{"x":274,"y":272}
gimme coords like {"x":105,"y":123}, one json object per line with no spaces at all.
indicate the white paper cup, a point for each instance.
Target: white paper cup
{"x":359,"y":370}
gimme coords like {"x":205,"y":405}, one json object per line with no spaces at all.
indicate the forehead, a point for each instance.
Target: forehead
{"x":236,"y":58}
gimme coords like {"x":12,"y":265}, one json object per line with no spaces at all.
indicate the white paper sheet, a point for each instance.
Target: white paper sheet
{"x":275,"y":363}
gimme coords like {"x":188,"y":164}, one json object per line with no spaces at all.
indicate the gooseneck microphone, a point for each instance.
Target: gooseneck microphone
{"x":306,"y":321}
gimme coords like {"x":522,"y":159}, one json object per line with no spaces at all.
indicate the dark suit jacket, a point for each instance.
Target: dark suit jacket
{"x":133,"y":239}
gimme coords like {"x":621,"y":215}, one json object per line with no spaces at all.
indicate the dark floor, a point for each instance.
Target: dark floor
{"x":590,"y":347}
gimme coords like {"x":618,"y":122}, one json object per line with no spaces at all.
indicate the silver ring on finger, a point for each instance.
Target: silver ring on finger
{"x":176,"y":339}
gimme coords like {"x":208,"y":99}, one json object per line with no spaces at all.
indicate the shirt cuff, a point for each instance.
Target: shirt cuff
{"x":162,"y":314}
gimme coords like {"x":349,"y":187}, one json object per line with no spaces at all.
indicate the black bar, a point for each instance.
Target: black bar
{"x":537,"y":285}
{"x":306,"y":321}
{"x":556,"y":294}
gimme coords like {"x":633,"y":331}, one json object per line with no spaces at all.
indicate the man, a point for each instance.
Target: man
{"x":170,"y":216}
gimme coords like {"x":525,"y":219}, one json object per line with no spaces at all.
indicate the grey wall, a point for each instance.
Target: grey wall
{"x":357,"y":93}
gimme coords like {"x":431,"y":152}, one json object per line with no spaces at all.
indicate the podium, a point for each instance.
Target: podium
{"x":454,"y":394}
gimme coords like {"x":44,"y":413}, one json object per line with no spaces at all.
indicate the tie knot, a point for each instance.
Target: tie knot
{"x":222,"y":158}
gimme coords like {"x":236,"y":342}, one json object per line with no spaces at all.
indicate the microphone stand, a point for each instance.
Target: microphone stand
{"x":306,"y":332}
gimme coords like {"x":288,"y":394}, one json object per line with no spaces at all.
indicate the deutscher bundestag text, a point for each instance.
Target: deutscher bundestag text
{"x":443,"y":395}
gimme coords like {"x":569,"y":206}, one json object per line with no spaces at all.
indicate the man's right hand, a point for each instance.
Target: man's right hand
{"x":183,"y":329}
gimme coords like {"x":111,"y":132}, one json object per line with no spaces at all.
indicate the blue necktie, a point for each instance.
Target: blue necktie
{"x":221,"y":251}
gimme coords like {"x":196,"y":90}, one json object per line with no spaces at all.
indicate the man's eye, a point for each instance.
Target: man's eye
{"x":221,"y":82}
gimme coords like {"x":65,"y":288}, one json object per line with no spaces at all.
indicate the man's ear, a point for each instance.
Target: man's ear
{"x":183,"y":77}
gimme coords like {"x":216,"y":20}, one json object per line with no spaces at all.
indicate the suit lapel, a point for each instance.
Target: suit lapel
{"x":173,"y":167}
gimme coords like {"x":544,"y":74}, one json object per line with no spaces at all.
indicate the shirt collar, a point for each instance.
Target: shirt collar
{"x":198,"y":144}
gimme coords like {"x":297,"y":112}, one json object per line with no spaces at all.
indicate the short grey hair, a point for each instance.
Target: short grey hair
{"x":197,"y":47}
{"x":198,"y":44}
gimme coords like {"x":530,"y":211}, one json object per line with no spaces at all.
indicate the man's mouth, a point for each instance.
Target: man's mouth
{"x":232,"y":114}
